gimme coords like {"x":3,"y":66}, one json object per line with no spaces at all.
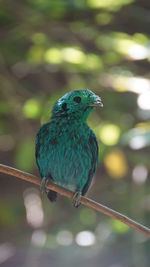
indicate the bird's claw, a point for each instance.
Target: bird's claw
{"x":76,"y":199}
{"x":44,"y":183}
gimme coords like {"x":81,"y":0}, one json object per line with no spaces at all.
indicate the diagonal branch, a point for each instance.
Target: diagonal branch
{"x":85,"y":201}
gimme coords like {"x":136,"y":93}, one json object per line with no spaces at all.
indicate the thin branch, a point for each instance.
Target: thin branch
{"x":85,"y":201}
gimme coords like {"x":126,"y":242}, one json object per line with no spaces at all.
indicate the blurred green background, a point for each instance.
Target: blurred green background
{"x":49,"y":47}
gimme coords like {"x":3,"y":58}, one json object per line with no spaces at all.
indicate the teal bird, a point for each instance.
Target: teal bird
{"x":66,"y":148}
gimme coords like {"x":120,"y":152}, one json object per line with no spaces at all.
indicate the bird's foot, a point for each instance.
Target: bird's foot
{"x":76,"y":199}
{"x":44,"y":183}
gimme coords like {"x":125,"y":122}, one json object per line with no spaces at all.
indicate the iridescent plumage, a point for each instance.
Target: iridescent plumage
{"x":66,"y":148}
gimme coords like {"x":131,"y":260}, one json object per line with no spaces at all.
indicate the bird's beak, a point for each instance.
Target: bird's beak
{"x":97,"y":102}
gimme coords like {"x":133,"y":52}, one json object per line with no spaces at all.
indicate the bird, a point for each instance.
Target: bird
{"x":66,"y":149}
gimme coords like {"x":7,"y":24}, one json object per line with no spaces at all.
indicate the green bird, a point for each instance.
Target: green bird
{"x":66,"y":148}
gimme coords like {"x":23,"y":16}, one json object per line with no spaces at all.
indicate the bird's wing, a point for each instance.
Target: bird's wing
{"x":93,"y":161}
{"x":44,"y":149}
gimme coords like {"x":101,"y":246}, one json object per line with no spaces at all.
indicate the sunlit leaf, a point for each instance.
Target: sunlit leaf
{"x":93,"y":62}
{"x":116,"y":164}
{"x":32,"y":109}
{"x":109,"y":134}
{"x":109,"y":4}
{"x":73,"y":55}
{"x":103,"y":18}
{"x":119,"y":227}
{"x":53,"y":55}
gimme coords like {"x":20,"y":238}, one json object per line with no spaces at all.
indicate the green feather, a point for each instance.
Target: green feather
{"x":66,"y":148}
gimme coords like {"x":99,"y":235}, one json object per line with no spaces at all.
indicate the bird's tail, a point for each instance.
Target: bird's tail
{"x":52,"y":195}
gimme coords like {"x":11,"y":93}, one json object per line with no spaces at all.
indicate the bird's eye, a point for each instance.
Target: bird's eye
{"x":64,"y":106}
{"x":77,"y":99}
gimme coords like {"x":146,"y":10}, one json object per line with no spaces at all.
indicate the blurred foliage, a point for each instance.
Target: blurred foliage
{"x":46,"y":49}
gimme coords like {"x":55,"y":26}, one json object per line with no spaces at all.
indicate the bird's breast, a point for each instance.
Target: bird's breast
{"x":71,"y":157}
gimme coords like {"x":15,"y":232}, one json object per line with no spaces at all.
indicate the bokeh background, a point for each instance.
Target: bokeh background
{"x":49,"y":47}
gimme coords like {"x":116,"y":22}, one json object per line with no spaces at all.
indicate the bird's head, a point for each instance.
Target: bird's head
{"x":76,"y":104}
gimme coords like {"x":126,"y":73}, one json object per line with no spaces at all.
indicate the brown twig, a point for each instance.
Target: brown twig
{"x":85,"y":201}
